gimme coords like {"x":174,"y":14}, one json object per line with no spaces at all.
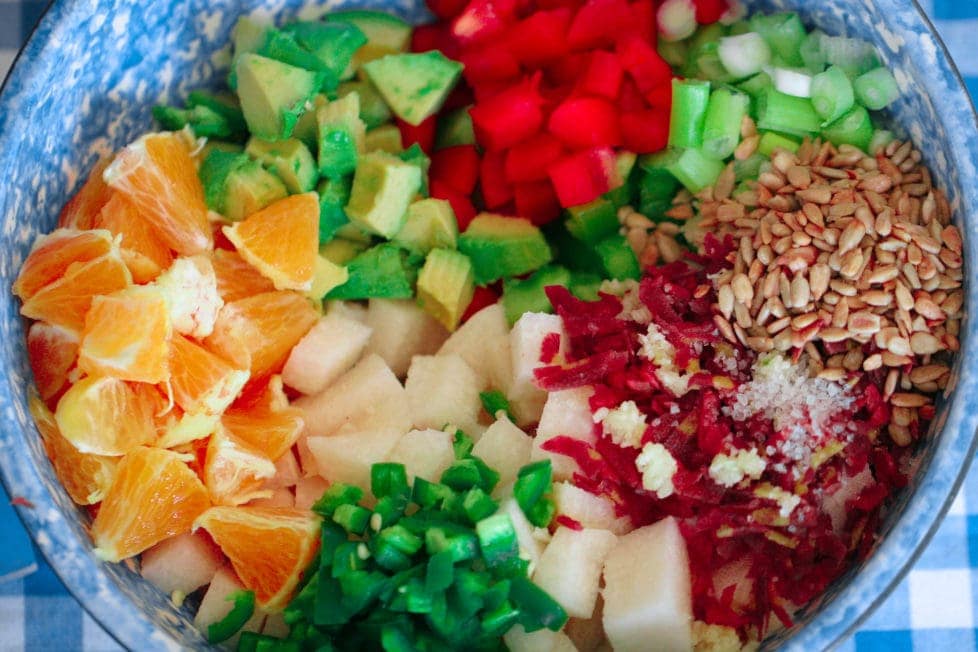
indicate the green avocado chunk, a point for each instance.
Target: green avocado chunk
{"x":383,"y":271}
{"x":503,"y":246}
{"x":430,"y":224}
{"x":289,"y":159}
{"x":273,"y":94}
{"x":446,"y":286}
{"x":341,"y":136}
{"x":383,"y":187}
{"x":236,"y":186}
{"x":414,"y":85}
{"x":528,"y":295}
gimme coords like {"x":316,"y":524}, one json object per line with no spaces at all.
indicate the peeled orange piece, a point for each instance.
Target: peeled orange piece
{"x":52,"y":352}
{"x":154,"y":496}
{"x":190,"y":287}
{"x":85,"y":477}
{"x":258,"y":332}
{"x":54,"y":253}
{"x":81,"y":211}
{"x":270,"y":432}
{"x":142,"y":249}
{"x":281,"y":241}
{"x":157,"y":174}
{"x":107,"y":416}
{"x":176,"y":428}
{"x":269,"y":547}
{"x":236,"y":277}
{"x":202,"y":381}
{"x":234,"y":472}
{"x":127,"y":335}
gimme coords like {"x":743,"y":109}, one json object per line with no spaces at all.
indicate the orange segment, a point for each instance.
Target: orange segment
{"x":200,"y":380}
{"x":190,"y":287}
{"x":236,"y":277}
{"x":269,"y":547}
{"x":281,"y":241}
{"x":144,"y":252}
{"x":108,"y":416}
{"x":176,"y":428}
{"x":154,"y":496}
{"x":258,"y":332}
{"x":157,"y":174}
{"x":54,"y":253}
{"x":127,"y":336}
{"x":52,"y":352}
{"x":65,"y":302}
{"x":85,"y":477}
{"x":271,"y":432}
{"x":81,"y":211}
{"x":234,"y":472}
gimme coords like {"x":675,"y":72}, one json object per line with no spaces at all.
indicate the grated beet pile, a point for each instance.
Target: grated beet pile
{"x":751,"y":556}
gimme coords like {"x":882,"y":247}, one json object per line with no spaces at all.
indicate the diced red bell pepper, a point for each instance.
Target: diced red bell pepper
{"x":643,"y":25}
{"x":536,"y":201}
{"x":445,"y":9}
{"x":496,"y":191}
{"x":457,"y":167}
{"x":485,"y":90}
{"x":599,"y":23}
{"x":629,"y":99}
{"x":643,"y":63}
{"x":585,"y":122}
{"x":585,"y":176}
{"x":602,"y":76}
{"x":540,"y":37}
{"x":434,"y":37}
{"x":489,"y":63}
{"x":529,"y":160}
{"x":660,"y":97}
{"x":423,"y":134}
{"x":710,"y":11}
{"x":557,"y":4}
{"x":644,"y":132}
{"x":460,"y":96}
{"x":482,"y":298}
{"x":566,"y":70}
{"x":461,"y":204}
{"x":508,"y":117}
{"x":483,"y":19}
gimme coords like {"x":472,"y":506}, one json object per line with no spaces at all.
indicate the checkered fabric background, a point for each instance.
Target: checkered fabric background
{"x":932,"y":610}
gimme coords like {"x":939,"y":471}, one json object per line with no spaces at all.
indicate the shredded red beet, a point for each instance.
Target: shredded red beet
{"x":569,"y":522}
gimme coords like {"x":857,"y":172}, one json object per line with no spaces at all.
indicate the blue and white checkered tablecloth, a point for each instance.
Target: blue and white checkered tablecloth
{"x":933,"y":609}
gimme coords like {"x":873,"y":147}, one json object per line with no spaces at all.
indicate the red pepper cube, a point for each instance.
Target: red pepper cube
{"x":660,"y":97}
{"x":644,"y":132}
{"x":458,"y":167}
{"x":536,"y":201}
{"x":565,"y":71}
{"x":585,"y":176}
{"x":460,"y":96}
{"x":585,"y":122}
{"x":541,"y":37}
{"x":488,"y":63}
{"x":643,"y":63}
{"x":508,"y":117}
{"x":599,"y":23}
{"x":461,"y":204}
{"x":496,"y":191}
{"x":445,"y":9}
{"x":710,"y":11}
{"x":429,"y":37}
{"x":629,"y":99}
{"x":423,"y":134}
{"x":485,"y":90}
{"x":602,"y":76}
{"x":482,"y":298}
{"x":483,"y":19}
{"x":644,"y":23}
{"x":529,"y":160}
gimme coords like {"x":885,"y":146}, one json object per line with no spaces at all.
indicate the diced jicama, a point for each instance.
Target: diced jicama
{"x":368,"y":397}
{"x":215,"y":605}
{"x":587,"y":634}
{"x":588,"y":509}
{"x":505,"y":448}
{"x":443,"y":390}
{"x":287,"y":472}
{"x":349,"y":309}
{"x":424,"y":453}
{"x":402,"y":330}
{"x":647,"y":595}
{"x":309,"y":490}
{"x":542,"y":640}
{"x":483,"y":342}
{"x":281,"y":497}
{"x":181,"y":564}
{"x":348,"y":457}
{"x":307,"y":462}
{"x":325,"y":353}
{"x":526,"y":345}
{"x":565,"y":414}
{"x":570,"y":568}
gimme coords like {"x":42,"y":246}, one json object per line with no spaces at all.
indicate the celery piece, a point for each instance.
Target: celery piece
{"x":792,"y":82}
{"x":784,"y":33}
{"x":787,"y":114}
{"x":854,"y":128}
{"x":721,"y":126}
{"x":757,"y":84}
{"x":744,"y":55}
{"x":832,"y":94}
{"x":593,"y":221}
{"x":853,"y":55}
{"x":674,"y":52}
{"x":811,"y":52}
{"x":771,"y":141}
{"x":618,"y":259}
{"x":750,"y":167}
{"x":695,"y":170}
{"x":690,"y":98}
{"x":876,"y":89}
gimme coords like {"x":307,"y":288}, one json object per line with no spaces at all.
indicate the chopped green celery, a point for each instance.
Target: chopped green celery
{"x":749,"y":168}
{"x":854,"y":128}
{"x":440,"y":573}
{"x":495,"y":401}
{"x":337,"y":494}
{"x":593,"y":221}
{"x":832,"y":94}
{"x":241,"y":612}
{"x":695,"y":170}
{"x":477,"y":504}
{"x":756,"y":85}
{"x":876,"y":89}
{"x":881,"y":138}
{"x":705,"y":38}
{"x":462,"y":445}
{"x":430,"y":494}
{"x":497,"y":540}
{"x":389,"y":479}
{"x":811,"y":52}
{"x":853,"y":55}
{"x":458,"y":541}
{"x":690,"y":98}
{"x":721,"y":125}
{"x":777,"y":111}
{"x":784,"y":33}
{"x":674,"y":52}
{"x":537,"y":609}
{"x":771,"y":141}
{"x":708,"y":65}
{"x":352,"y":518}
{"x":744,"y":55}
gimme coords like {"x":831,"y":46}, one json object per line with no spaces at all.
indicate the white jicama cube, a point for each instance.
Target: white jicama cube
{"x":182,"y":563}
{"x":542,"y":640}
{"x":402,"y":330}
{"x":589,"y":510}
{"x":307,"y":461}
{"x":530,"y":547}
{"x":215,"y":606}
{"x":287,"y":472}
{"x":505,"y":448}
{"x":309,"y":490}
{"x":647,"y":594}
{"x":348,"y":457}
{"x":367,"y":397}
{"x":587,"y":634}
{"x":424,"y":453}
{"x":566,"y":413}
{"x":443,"y":390}
{"x":325,"y":353}
{"x":570,"y":568}
{"x":349,"y":309}
{"x":478,"y":340}
{"x":526,"y":344}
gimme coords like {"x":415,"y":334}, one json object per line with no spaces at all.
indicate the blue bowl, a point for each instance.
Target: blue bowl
{"x":83,"y":87}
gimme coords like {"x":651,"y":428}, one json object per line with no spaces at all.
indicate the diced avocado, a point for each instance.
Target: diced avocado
{"x":455,"y":129}
{"x":236,"y":186}
{"x":593,"y":221}
{"x":341,"y":251}
{"x":381,"y":29}
{"x":414,"y":85}
{"x":333,"y":195}
{"x":585,"y":286}
{"x":503,"y":246}
{"x":385,"y":138}
{"x":430,"y":224}
{"x":446,"y":286}
{"x":204,"y":122}
{"x":248,"y":35}
{"x":283,"y":47}
{"x":333,"y":43}
{"x":528,"y":295}
{"x":289,"y":159}
{"x":214,"y":169}
{"x":218,"y":145}
{"x":326,"y":276}
{"x":307,"y":128}
{"x":354,"y":233}
{"x":373,"y":109}
{"x":385,"y":271}
{"x":224,"y":104}
{"x":416,"y":156}
{"x":383,"y":187}
{"x":570,"y":252}
{"x":273,"y":94}
{"x":341,"y":136}
{"x":618,"y":259}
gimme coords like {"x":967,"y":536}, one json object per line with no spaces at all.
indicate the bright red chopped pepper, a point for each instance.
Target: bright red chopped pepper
{"x":603,"y":75}
{"x":489,"y":63}
{"x":496,"y":191}
{"x":584,"y":176}
{"x":536,"y":201}
{"x":482,"y":19}
{"x":660,"y":98}
{"x":710,"y":11}
{"x":600,"y":23}
{"x":482,"y":298}
{"x":644,"y":132}
{"x":508,"y":117}
{"x":423,"y":134}
{"x":541,"y":37}
{"x":458,"y":167}
{"x":644,"y":25}
{"x":529,"y":160}
{"x":643,"y":63}
{"x":585,"y":122}
{"x":461,"y":204}
{"x":433,"y":37}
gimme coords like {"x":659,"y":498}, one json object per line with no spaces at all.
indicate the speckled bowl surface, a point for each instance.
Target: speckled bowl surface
{"x":84,"y":86}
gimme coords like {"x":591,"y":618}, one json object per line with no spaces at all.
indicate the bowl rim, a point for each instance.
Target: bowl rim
{"x":834,"y":621}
